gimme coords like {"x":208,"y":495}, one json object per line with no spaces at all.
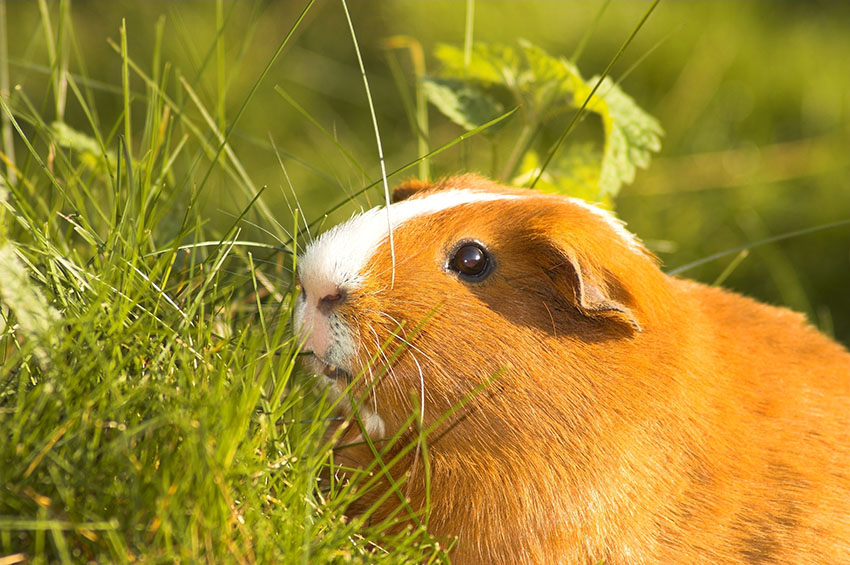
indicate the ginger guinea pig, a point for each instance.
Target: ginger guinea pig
{"x":598,"y":409}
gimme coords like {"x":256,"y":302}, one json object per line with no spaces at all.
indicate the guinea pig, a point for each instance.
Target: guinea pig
{"x":581,"y":405}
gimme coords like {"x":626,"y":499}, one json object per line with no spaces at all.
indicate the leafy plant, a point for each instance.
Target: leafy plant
{"x":472,"y":90}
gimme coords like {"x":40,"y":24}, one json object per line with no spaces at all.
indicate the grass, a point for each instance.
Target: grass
{"x":148,"y":397}
{"x":150,"y":403}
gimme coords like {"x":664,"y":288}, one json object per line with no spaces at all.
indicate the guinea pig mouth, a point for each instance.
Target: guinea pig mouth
{"x":330,"y":371}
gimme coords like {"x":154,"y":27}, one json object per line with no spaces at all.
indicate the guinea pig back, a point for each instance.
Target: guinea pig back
{"x":584,"y":406}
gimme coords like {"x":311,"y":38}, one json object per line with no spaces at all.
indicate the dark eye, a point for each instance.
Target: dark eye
{"x":470,"y":261}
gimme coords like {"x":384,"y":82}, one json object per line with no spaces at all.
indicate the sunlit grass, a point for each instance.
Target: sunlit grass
{"x":149,"y":404}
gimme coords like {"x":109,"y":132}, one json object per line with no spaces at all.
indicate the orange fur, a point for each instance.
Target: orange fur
{"x":687,"y":424}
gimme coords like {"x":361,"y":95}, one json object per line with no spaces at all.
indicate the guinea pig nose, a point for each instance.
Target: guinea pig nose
{"x":330,"y":301}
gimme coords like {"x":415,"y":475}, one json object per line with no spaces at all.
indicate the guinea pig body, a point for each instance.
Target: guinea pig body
{"x":598,"y":409}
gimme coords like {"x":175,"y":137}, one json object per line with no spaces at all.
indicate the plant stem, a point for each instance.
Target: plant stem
{"x":5,"y":124}
{"x":526,"y":136}
{"x":377,"y":136}
{"x":467,"y":34}
{"x":125,"y":82}
{"x":421,"y":110}
{"x":220,"y":68}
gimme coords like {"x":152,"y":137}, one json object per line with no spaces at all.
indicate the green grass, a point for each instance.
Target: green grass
{"x":149,"y":405}
{"x":151,"y":408}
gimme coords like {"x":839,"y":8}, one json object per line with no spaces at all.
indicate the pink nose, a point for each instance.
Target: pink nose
{"x":329,"y":301}
{"x":324,"y":295}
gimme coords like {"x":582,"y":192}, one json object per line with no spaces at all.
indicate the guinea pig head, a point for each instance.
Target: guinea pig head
{"x":482,"y":284}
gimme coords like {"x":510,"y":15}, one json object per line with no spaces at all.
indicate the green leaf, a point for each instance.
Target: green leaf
{"x":574,"y":173}
{"x":546,"y":86}
{"x":631,"y":135}
{"x":488,"y":64}
{"x":551,"y":81}
{"x":463,"y":103}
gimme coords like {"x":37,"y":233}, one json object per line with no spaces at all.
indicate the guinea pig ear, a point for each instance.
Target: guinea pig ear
{"x":590,"y":293}
{"x":408,"y":188}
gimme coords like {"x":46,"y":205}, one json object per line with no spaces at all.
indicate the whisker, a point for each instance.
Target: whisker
{"x":417,"y":452}
{"x":282,"y":266}
{"x":399,"y":262}
{"x":404,"y":339}
{"x":298,"y":206}
{"x":389,"y":368}
{"x":266,"y":231}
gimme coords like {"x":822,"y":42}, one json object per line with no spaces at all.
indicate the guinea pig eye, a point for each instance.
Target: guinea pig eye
{"x":470,"y":261}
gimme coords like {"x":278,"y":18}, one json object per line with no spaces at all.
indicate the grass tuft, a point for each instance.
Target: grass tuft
{"x":149,"y":403}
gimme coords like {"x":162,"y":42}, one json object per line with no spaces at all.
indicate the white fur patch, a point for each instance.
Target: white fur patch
{"x":372,"y":421}
{"x":618,"y":225}
{"x":339,"y":256}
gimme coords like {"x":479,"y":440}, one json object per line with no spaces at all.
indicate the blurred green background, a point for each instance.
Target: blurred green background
{"x":754,"y":98}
